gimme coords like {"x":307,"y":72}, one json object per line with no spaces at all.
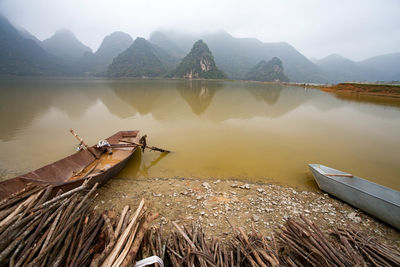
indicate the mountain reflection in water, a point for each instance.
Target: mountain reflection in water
{"x":216,"y":129}
{"x":198,"y":94}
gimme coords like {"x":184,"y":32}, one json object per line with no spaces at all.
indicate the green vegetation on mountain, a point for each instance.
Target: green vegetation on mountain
{"x":236,"y":56}
{"x":97,"y":63}
{"x":141,"y":59}
{"x":21,"y":53}
{"x":199,"y":63}
{"x":271,"y":71}
{"x":169,"y":61}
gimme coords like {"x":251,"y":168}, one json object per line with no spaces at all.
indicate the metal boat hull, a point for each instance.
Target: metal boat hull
{"x":376,"y":200}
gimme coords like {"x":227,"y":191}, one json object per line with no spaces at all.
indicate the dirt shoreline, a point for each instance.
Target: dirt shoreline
{"x":264,"y":205}
{"x":382,"y":90}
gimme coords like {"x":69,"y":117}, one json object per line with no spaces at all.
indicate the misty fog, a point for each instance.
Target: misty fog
{"x":354,"y":29}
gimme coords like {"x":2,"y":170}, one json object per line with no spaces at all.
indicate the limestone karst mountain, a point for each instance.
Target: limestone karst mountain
{"x":142,"y":59}
{"x":21,"y":53}
{"x":199,"y":63}
{"x":271,"y":71}
{"x":236,"y":56}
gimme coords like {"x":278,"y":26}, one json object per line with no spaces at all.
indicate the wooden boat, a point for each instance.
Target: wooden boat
{"x":71,"y":171}
{"x":379,"y":201}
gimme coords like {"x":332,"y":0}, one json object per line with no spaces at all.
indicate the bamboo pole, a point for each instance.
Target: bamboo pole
{"x":146,"y":146}
{"x":90,"y":149}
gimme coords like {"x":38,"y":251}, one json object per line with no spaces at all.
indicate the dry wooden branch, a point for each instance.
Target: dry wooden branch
{"x":138,"y":239}
{"x":118,"y":247}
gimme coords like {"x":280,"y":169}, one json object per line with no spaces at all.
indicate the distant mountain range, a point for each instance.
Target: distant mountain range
{"x":380,"y":68}
{"x":21,"y":53}
{"x":236,"y":56}
{"x":22,"y":56}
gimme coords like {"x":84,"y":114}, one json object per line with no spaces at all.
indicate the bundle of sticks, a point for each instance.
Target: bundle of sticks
{"x":189,"y":246}
{"x":186,"y":246}
{"x":357,"y":244}
{"x":40,"y":229}
{"x":124,"y":237}
{"x":297,"y":244}
{"x":306,"y":244}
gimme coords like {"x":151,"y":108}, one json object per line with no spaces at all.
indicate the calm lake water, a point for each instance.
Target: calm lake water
{"x":249,"y":131}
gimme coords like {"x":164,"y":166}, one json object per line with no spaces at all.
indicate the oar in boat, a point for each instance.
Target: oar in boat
{"x":83,"y":143}
{"x":339,"y":174}
{"x":145,"y":146}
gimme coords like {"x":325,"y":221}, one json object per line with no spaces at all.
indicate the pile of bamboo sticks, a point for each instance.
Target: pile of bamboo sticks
{"x":38,"y":229}
{"x":186,"y":246}
{"x":307,"y":244}
{"x":357,"y":244}
{"x":189,"y":246}
{"x":298,"y":244}
{"x":124,"y":237}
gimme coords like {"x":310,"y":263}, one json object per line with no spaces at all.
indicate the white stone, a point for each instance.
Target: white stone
{"x":353,"y":216}
{"x":245,"y":186}
{"x":206,"y":185}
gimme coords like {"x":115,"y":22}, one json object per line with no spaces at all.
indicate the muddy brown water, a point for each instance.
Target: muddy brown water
{"x":218,"y":129}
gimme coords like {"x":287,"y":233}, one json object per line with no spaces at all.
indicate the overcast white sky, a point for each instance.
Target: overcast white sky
{"x":356,"y":29}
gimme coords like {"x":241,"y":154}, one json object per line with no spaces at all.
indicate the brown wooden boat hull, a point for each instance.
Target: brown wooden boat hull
{"x":62,"y":174}
{"x":101,"y":178}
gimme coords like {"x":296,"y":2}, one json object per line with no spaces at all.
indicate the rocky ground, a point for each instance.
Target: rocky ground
{"x":214,"y":202}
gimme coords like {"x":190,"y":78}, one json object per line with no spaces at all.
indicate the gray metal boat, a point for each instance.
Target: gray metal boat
{"x":376,"y":200}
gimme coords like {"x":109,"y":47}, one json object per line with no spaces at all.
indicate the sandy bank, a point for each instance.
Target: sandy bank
{"x":385,"y":90}
{"x":264,"y":205}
